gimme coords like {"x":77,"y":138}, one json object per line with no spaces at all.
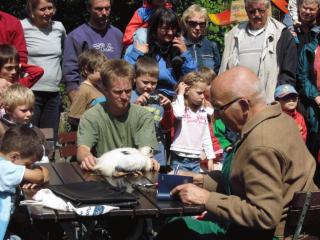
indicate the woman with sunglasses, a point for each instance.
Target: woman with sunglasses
{"x":195,"y":22}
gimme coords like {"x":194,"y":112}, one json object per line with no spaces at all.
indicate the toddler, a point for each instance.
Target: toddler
{"x":18,"y":103}
{"x":140,"y":19}
{"x":288,"y":98}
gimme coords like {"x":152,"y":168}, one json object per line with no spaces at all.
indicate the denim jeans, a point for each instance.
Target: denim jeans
{"x":185,"y":163}
{"x":47,"y":111}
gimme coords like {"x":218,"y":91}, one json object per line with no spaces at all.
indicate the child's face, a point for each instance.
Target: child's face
{"x":289,"y":102}
{"x":21,"y":114}
{"x":9,"y":71}
{"x":146,"y":83}
{"x":195,"y":94}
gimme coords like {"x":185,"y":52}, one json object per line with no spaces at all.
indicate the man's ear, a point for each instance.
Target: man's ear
{"x":14,"y":156}
{"x":245,"y":106}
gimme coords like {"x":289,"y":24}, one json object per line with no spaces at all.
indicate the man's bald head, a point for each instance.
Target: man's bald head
{"x":236,"y":96}
{"x":237,"y":82}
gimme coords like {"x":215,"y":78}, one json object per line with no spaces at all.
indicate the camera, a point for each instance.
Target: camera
{"x":153,"y":99}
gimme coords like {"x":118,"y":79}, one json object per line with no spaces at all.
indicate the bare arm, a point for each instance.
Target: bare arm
{"x":38,"y":175}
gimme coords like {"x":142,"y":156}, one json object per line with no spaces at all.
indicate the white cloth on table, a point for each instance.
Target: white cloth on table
{"x":45,"y":197}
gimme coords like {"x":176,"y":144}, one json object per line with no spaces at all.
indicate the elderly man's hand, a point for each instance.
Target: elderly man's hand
{"x":88,"y":163}
{"x":191,"y":194}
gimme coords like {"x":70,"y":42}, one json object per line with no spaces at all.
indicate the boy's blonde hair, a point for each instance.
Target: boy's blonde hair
{"x":91,"y":60}
{"x":147,"y":66}
{"x":208,"y":74}
{"x":17,"y":95}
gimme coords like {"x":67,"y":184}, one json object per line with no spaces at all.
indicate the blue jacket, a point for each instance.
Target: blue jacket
{"x":205,"y":53}
{"x":308,"y":84}
{"x":166,"y":80}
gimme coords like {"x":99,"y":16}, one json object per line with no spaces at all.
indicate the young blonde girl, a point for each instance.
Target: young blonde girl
{"x":191,"y":128}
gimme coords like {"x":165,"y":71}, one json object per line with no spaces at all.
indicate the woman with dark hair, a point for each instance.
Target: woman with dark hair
{"x":167,"y":47}
{"x":44,"y":38}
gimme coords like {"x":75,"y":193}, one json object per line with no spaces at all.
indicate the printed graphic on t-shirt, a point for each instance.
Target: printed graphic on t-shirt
{"x":191,"y":118}
{"x":155,"y":112}
{"x":103,"y":47}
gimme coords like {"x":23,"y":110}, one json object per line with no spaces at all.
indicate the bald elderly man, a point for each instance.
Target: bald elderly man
{"x":269,"y":163}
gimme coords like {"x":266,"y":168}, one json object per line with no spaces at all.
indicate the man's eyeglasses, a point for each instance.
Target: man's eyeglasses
{"x":194,"y":24}
{"x":222,"y":108}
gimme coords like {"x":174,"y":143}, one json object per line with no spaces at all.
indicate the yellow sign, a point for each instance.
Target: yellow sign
{"x":238,"y":11}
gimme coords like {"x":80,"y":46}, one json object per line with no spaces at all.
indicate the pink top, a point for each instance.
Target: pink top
{"x":192,"y":133}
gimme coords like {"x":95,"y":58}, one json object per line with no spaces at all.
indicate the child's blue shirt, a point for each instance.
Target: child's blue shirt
{"x":157,"y":111}
{"x":11,"y":176}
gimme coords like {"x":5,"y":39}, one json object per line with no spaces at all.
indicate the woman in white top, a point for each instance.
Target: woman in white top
{"x":44,"y":39}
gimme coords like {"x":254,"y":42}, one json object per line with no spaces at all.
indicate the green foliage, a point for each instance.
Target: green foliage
{"x":216,"y":33}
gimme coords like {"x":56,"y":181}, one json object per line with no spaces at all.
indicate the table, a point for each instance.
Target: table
{"x":148,"y":206}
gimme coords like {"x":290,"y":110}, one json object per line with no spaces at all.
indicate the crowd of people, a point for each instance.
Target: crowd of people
{"x":245,"y":125}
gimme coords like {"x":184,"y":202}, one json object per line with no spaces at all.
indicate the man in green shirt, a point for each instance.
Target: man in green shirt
{"x":115,"y":123}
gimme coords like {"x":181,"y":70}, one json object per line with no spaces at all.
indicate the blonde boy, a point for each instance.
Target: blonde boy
{"x":89,"y":94}
{"x":18,"y":102}
{"x":145,"y":94}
